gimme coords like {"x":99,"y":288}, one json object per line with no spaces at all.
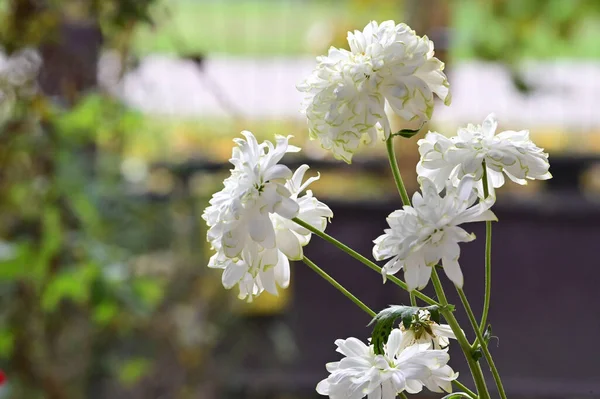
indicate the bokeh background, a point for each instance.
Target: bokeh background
{"x":105,"y":171}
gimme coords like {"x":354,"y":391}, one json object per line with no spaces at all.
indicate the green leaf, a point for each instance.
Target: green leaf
{"x":408,"y":133}
{"x":72,"y":284}
{"x":384,"y":321}
{"x":133,"y":369}
{"x":487,"y":335}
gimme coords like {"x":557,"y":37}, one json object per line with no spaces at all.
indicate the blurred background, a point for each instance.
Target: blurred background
{"x":108,"y":159}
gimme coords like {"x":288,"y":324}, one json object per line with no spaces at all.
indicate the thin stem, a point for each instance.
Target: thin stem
{"x":463,"y":388}
{"x":460,"y":337}
{"x":482,"y":344}
{"x":338,"y":286}
{"x":363,"y":260}
{"x":488,"y":258}
{"x":403,"y":395}
{"x":389,"y":143}
{"x":413,"y":299}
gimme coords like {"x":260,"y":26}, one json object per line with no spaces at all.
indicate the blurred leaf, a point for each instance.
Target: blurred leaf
{"x":72,"y":284}
{"x":7,"y":339}
{"x":16,"y":266}
{"x":149,"y":291}
{"x":133,"y":369}
{"x":105,"y":312}
{"x":51,"y":239}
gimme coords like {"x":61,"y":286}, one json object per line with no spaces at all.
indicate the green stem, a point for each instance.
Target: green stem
{"x":463,"y":388}
{"x":403,"y":395}
{"x":488,"y":259}
{"x":482,"y":344}
{"x":413,"y":299}
{"x":389,"y":143}
{"x":339,"y":287}
{"x":460,"y":337}
{"x":363,"y":260}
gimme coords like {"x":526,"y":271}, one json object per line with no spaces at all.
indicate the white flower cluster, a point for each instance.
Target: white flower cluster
{"x":347,"y":92}
{"x":363,"y":373}
{"x":511,"y":153}
{"x":17,"y":77}
{"x":251,"y":224}
{"x":249,"y":220}
{"x":423,"y":234}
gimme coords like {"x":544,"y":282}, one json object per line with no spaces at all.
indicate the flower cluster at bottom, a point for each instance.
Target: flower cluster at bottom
{"x":363,"y":373}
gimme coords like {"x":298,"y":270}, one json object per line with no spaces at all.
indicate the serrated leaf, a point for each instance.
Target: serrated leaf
{"x":384,"y":321}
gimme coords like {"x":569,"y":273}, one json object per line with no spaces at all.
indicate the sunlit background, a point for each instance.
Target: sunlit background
{"x":105,"y":171}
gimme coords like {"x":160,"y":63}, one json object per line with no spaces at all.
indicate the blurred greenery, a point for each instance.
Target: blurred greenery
{"x":103,"y":284}
{"x":490,"y":29}
{"x":93,"y":266}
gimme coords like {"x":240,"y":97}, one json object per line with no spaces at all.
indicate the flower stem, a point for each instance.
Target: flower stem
{"x":460,"y":337}
{"x":403,"y":395}
{"x":389,"y":143}
{"x":482,"y":344}
{"x":488,"y":258}
{"x":363,"y":260}
{"x":338,"y":286}
{"x":413,"y":299}
{"x":463,"y":388}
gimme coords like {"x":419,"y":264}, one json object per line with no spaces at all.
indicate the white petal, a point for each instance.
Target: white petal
{"x":289,"y":244}
{"x":452,"y":270}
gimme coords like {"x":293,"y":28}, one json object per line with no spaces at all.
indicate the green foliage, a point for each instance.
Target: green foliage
{"x":132,"y":370}
{"x":407,"y":133}
{"x":477,"y":353}
{"x":385,"y":320}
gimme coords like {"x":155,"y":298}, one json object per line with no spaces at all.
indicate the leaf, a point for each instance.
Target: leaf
{"x":408,"y":133}
{"x":487,"y":335}
{"x":133,"y":369}
{"x":384,"y":321}
{"x":71,"y":284}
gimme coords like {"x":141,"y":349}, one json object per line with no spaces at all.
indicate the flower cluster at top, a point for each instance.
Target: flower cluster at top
{"x":249,"y":220}
{"x":17,"y":76}
{"x":412,"y":359}
{"x":347,"y":92}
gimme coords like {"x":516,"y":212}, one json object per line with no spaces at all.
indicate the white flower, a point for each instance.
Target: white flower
{"x":250,"y":219}
{"x":509,"y":152}
{"x":426,"y":331}
{"x":255,"y":189}
{"x":423,"y":234}
{"x":290,"y":236}
{"x":362,"y":373}
{"x":256,"y":269}
{"x":347,"y":91}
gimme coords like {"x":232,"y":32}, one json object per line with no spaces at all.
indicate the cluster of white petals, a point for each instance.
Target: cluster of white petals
{"x":363,"y":373}
{"x":428,"y":231}
{"x":347,"y":92}
{"x":249,"y":220}
{"x":423,"y":330}
{"x":509,"y":152}
{"x":17,"y":76}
